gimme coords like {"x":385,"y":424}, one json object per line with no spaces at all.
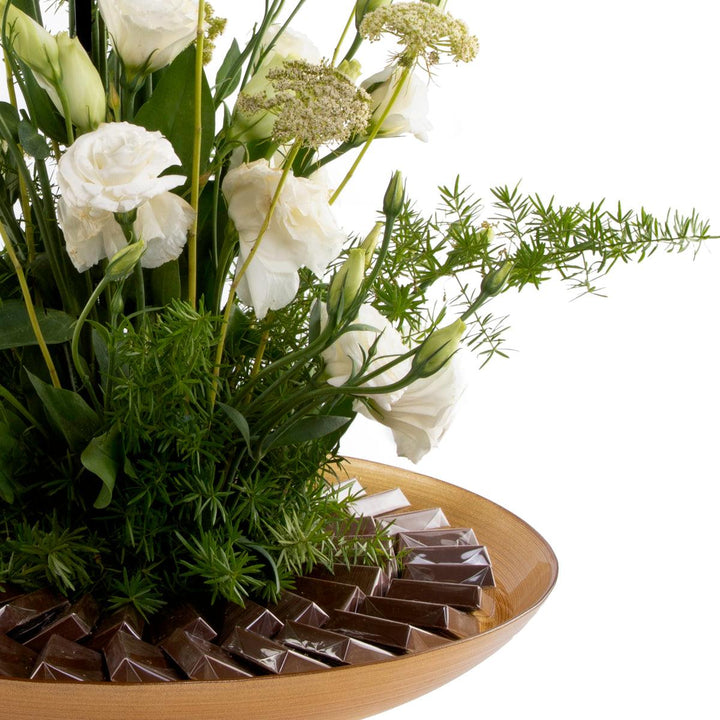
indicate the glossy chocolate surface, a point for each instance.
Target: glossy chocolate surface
{"x":29,"y":608}
{"x":126,"y":620}
{"x":67,"y":661}
{"x":450,"y":572}
{"x":370,"y":579}
{"x":295,"y":607}
{"x":132,"y":660}
{"x":330,"y":595}
{"x":457,"y":554}
{"x":16,"y":660}
{"x":415,"y":521}
{"x":183,"y":616}
{"x":76,"y":623}
{"x":440,"y":537}
{"x":251,"y":616}
{"x":464,"y":597}
{"x":200,"y":659}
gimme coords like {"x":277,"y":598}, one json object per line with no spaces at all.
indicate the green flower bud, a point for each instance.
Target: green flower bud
{"x":351,"y":69}
{"x":438,"y":348}
{"x":347,"y":280}
{"x":34,"y":45}
{"x":363,"y":7}
{"x":370,"y":243}
{"x":394,"y":196}
{"x":495,"y":280}
{"x":124,"y":261}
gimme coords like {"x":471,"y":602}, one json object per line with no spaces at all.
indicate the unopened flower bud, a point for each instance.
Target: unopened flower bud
{"x":370,"y":243}
{"x":351,"y":69}
{"x":34,"y":45}
{"x":347,"y":280}
{"x":363,"y":7}
{"x":438,"y":348}
{"x":394,"y":196}
{"x":495,"y":280}
{"x":124,"y":261}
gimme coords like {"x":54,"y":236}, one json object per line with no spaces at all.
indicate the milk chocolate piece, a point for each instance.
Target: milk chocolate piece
{"x":379,"y":503}
{"x":434,"y":617}
{"x":183,"y":616}
{"x":132,"y":660}
{"x":300,"y":609}
{"x":450,"y":572}
{"x":67,"y":661}
{"x":201,"y":660}
{"x":34,"y":607}
{"x":439,"y":537}
{"x":268,"y":655}
{"x":75,"y":623}
{"x":386,"y":633}
{"x":370,"y":579}
{"x":414,"y":521}
{"x":465,"y":597}
{"x":127,"y":619}
{"x":464,"y":554}
{"x":250,"y":616}
{"x":331,"y":647}
{"x":330,"y":595}
{"x":16,"y":661}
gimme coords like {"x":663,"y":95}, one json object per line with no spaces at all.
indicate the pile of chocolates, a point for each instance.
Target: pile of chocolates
{"x":348,"y":616}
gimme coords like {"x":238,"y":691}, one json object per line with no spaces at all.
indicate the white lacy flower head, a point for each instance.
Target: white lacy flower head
{"x":346,"y":356}
{"x":150,"y":34}
{"x":92,"y":235}
{"x":116,"y":168}
{"x":409,"y":113}
{"x":302,"y":232}
{"x":422,"y":414}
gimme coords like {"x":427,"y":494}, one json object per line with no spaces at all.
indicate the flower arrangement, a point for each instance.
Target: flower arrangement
{"x":186,"y":331}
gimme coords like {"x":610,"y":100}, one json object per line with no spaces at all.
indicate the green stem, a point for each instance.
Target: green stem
{"x":75,"y":342}
{"x":374,"y":132}
{"x":197,"y":149}
{"x":342,"y":37}
{"x":21,"y":409}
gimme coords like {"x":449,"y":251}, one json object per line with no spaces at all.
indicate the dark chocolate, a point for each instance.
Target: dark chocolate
{"x":268,"y":655}
{"x":464,"y":597}
{"x":132,"y":660}
{"x":330,"y":647}
{"x":434,"y":617}
{"x":200,"y":659}
{"x":33,"y":607}
{"x":439,"y":537}
{"x":250,"y":616}
{"x":126,"y":619}
{"x":465,"y":554}
{"x":414,"y":521}
{"x":451,"y":572}
{"x":75,"y":623}
{"x":386,"y":633}
{"x":67,"y":661}
{"x":330,"y":595}
{"x":300,"y":609}
{"x":183,"y":616}
{"x":370,"y":579}
{"x":16,"y":661}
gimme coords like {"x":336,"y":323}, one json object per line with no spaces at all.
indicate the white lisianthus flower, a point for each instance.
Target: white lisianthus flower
{"x":302,"y":232}
{"x":149,"y":34}
{"x":409,"y":113}
{"x":420,"y":417}
{"x":92,"y":235}
{"x":116,"y":168}
{"x":345,"y":357}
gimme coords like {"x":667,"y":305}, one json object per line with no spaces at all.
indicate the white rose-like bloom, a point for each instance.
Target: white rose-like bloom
{"x":409,"y":113}
{"x":291,"y":45}
{"x":91,"y":235}
{"x":346,"y":355}
{"x":420,"y":417}
{"x":150,"y":34}
{"x":302,"y":232}
{"x":116,"y":168}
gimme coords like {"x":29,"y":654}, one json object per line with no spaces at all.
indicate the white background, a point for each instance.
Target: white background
{"x":601,"y":429}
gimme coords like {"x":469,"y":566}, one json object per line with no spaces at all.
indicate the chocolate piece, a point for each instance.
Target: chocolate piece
{"x":465,"y":597}
{"x":127,"y":619}
{"x":251,"y":616}
{"x":464,"y":554}
{"x":268,"y":655}
{"x":363,"y":525}
{"x":450,"y":572}
{"x":439,"y":537}
{"x":10,"y":593}
{"x":387,"y":633}
{"x":201,"y":660}
{"x":434,"y":617}
{"x":414,"y":521}
{"x":15,"y":659}
{"x":76,"y":623}
{"x":300,"y":609}
{"x":132,"y":660}
{"x":65,"y":660}
{"x":331,"y":647}
{"x":330,"y":595}
{"x":379,"y":503}
{"x":346,"y":489}
{"x":183,"y":616}
{"x":33,"y":607}
{"x":370,"y":579}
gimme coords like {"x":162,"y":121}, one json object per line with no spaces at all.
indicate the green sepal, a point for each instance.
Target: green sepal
{"x":104,"y":457}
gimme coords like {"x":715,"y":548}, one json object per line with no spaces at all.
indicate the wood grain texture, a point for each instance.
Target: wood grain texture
{"x":525,"y":570}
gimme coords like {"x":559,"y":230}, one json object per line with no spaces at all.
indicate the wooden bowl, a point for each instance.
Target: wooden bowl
{"x":525,"y":571}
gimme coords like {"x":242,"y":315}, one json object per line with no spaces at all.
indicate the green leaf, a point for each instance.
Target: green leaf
{"x":229,"y":74}
{"x":56,"y":326}
{"x":32,"y":141}
{"x":310,"y":428}
{"x":238,"y":419}
{"x":104,"y":457}
{"x":171,"y":110}
{"x":165,"y":283}
{"x":41,"y":108}
{"x":8,"y":122}
{"x":68,"y":412}
{"x":8,"y":448}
